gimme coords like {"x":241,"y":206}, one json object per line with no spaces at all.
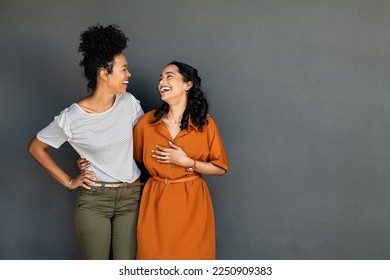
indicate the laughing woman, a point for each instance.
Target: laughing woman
{"x":100,"y":128}
{"x":178,"y":142}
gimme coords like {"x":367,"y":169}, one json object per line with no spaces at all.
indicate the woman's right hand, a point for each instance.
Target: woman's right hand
{"x":83,"y":164}
{"x":84,"y":180}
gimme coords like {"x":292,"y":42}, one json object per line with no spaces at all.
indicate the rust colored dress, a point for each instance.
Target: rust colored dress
{"x":176,"y":221}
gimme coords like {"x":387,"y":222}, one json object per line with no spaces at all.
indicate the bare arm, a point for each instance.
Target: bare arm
{"x":176,"y":155}
{"x":37,"y":150}
{"x":206,"y":168}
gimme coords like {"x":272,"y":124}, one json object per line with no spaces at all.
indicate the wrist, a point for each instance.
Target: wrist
{"x":192,"y":167}
{"x":69,"y":185}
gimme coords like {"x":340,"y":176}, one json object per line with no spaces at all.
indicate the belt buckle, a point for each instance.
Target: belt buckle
{"x":167,"y":181}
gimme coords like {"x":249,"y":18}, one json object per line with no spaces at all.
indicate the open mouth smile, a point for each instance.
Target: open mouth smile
{"x":165,"y":89}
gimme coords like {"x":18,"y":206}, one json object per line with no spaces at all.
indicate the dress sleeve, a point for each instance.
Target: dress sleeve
{"x":217,"y":154}
{"x":57,"y":132}
{"x":138,"y":138}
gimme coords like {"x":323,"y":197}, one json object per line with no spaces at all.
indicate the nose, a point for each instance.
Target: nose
{"x":161,"y":81}
{"x":128,"y":73}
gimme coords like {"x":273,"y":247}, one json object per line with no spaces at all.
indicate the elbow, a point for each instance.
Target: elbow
{"x":218,"y":170}
{"x":34,"y":147}
{"x":30,"y":148}
{"x":221,"y":172}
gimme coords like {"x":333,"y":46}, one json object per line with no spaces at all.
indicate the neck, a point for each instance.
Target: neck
{"x":101,"y":101}
{"x":175,"y":113}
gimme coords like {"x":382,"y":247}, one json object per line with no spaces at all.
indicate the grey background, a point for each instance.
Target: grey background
{"x":299,"y":89}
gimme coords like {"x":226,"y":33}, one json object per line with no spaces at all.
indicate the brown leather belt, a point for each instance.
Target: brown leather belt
{"x":173,"y":181}
{"x":136,"y":183}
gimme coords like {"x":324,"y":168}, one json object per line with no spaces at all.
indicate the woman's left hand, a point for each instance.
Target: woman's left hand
{"x":174,"y":155}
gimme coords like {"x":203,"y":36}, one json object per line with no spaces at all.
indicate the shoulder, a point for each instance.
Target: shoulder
{"x":210,"y":119}
{"x":127,"y":96}
{"x":147,"y":117}
{"x":211,"y":124}
{"x":72,"y":110}
{"x":127,"y":104}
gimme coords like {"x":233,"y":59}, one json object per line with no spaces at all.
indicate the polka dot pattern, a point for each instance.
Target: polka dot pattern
{"x":105,"y":139}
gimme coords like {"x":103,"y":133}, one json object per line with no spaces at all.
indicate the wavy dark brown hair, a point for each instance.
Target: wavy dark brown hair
{"x":197,"y":104}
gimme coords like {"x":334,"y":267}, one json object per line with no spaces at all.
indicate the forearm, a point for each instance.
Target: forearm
{"x":177,"y":156}
{"x":206,"y":168}
{"x":48,"y":164}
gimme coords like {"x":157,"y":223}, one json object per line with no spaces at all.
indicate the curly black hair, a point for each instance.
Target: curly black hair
{"x":197,"y":104}
{"x":98,"y":46}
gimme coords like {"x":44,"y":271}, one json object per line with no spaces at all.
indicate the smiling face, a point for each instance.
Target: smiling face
{"x":172,"y":85}
{"x":118,"y":79}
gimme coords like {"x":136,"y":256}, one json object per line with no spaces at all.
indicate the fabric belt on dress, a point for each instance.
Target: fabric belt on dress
{"x":173,"y":181}
{"x":136,"y":183}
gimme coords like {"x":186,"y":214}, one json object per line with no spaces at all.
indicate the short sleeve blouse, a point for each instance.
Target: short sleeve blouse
{"x":105,"y":139}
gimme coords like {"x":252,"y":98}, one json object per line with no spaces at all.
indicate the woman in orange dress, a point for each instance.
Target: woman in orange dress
{"x":178,"y":143}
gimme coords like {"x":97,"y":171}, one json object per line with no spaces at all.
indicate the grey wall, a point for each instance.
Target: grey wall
{"x":299,"y":89}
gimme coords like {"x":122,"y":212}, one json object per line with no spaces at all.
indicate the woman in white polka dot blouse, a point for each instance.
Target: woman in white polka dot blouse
{"x":100,"y":127}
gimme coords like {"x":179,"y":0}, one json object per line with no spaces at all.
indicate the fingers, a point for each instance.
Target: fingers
{"x":161,"y":148}
{"x":166,"y":155}
{"x":85,"y":179}
{"x":173,"y":145}
{"x":162,"y":159}
{"x":160,"y":156}
{"x":88,"y":174}
{"x":85,"y":186}
{"x":83,"y":164}
{"x":82,"y":161}
{"x":160,"y":153}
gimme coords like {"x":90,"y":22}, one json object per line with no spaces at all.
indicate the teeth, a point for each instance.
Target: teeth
{"x":126,"y":82}
{"x":165,"y":89}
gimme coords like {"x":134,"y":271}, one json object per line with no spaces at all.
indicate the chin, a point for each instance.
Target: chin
{"x":162,"y":97}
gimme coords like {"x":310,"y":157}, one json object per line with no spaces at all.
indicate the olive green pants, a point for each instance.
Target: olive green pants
{"x":106,"y":219}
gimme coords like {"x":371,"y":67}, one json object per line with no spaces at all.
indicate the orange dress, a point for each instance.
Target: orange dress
{"x":176,"y":221}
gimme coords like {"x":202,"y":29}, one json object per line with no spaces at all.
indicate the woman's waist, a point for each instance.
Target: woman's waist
{"x":172,"y":180}
{"x":114,"y":177}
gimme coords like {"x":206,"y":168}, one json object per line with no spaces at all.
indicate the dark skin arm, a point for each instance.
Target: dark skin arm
{"x":38,"y":150}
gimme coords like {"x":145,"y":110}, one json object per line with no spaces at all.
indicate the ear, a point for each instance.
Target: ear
{"x":103,"y":74}
{"x":189,"y":85}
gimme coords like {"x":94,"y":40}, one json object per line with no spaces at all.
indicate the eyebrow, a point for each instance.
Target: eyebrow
{"x":167,"y":73}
